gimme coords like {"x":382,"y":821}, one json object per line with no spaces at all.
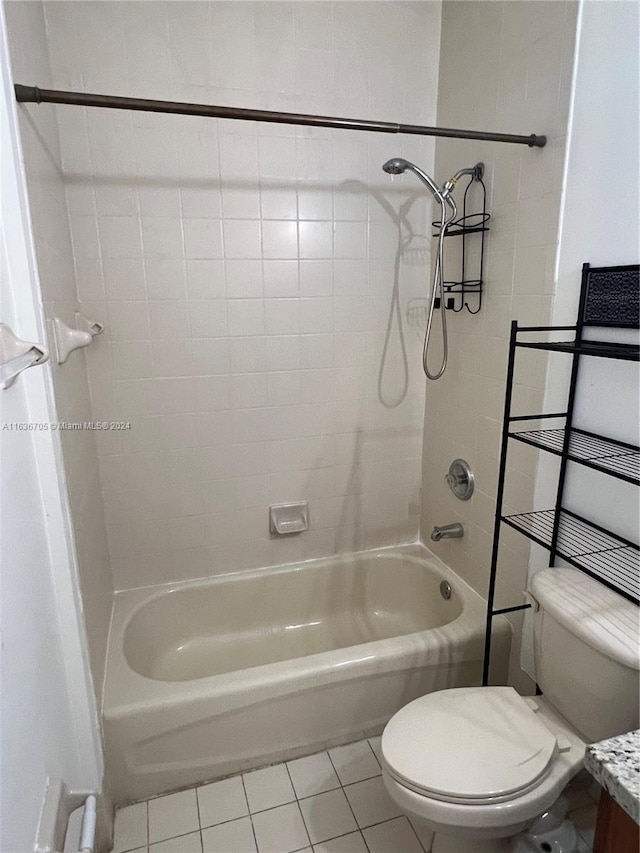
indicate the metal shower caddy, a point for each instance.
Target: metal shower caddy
{"x":466,"y":292}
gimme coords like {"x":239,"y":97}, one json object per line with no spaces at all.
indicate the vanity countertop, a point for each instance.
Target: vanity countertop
{"x":615,"y":764}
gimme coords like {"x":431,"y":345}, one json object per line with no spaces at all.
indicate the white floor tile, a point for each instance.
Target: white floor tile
{"x":451,"y":844}
{"x":236,"y":836}
{"x":183,"y":844}
{"x":175,"y":814}
{"x":595,"y":791}
{"x":327,"y":815}
{"x":222,"y":801}
{"x":280,"y":830}
{"x":268,"y":788}
{"x":370,"y":802}
{"x":395,"y":836}
{"x":588,"y":836}
{"x":354,"y":762}
{"x":425,"y":836}
{"x":585,"y":822}
{"x":577,"y":791}
{"x":313,"y":774}
{"x":375,"y":744}
{"x":130,"y":828}
{"x":352,"y":843}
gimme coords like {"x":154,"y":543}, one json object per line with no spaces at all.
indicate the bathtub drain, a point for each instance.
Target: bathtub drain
{"x":445,"y":590}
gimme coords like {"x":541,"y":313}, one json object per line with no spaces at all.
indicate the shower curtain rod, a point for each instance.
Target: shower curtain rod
{"x":32,"y":94}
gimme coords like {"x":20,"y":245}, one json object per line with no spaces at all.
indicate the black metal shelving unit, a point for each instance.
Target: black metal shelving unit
{"x":609,"y":297}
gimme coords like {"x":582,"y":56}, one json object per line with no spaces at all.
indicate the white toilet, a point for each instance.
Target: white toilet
{"x":478,"y":765}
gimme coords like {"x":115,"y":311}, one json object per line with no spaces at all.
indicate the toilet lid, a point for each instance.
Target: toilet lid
{"x":468,"y":744}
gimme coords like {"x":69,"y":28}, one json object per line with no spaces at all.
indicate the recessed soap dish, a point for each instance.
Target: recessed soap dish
{"x":288,"y":518}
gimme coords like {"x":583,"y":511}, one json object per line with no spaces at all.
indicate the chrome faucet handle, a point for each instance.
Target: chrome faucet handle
{"x":460,"y":479}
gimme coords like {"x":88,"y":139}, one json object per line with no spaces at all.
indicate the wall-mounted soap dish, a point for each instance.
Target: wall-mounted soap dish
{"x":288,"y":518}
{"x":67,"y":339}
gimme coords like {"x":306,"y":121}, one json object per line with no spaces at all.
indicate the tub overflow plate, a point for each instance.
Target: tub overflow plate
{"x":460,"y":479}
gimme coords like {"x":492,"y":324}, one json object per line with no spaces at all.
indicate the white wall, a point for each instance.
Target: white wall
{"x":600,"y":225}
{"x":245,"y":274}
{"x":601,"y":203}
{"x":48,"y":717}
{"x":50,"y":222}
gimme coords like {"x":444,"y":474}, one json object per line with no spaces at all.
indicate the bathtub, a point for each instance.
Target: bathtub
{"x":213,"y":677}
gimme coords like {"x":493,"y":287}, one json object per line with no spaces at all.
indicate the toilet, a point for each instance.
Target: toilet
{"x":484,"y":767}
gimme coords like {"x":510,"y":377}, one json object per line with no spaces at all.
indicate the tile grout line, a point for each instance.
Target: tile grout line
{"x":250,"y":813}
{"x":297,"y":800}
{"x":199,"y":821}
{"x":171,"y":838}
{"x":348,"y":803}
{"x":304,"y":823}
{"x":359,"y":831}
{"x":365,"y":780}
{"x":341,"y":786}
{"x":374,"y":752}
{"x":408,"y":820}
{"x":418,"y":838}
{"x":246,"y":799}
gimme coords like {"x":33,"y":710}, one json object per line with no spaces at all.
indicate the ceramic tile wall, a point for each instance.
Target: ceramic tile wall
{"x":505,"y":66}
{"x":245,"y":274}
{"x":39,"y":134}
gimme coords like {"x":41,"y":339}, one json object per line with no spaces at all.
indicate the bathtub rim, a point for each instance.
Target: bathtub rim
{"x":442,"y":610}
{"x":133,"y":692}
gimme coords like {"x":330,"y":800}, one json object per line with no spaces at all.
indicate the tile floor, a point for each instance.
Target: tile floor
{"x":331,"y":802}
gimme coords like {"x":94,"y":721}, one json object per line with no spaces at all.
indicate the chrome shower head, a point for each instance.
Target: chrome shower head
{"x":395,"y":166}
{"x":398,"y":165}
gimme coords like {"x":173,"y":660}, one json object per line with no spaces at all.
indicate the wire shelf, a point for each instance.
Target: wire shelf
{"x":466,"y":292}
{"x":595,"y":451}
{"x":602,"y":349}
{"x":613,"y":561}
{"x":471,"y":223}
{"x":608,"y":298}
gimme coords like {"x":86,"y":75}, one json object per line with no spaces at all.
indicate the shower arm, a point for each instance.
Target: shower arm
{"x":476,"y":172}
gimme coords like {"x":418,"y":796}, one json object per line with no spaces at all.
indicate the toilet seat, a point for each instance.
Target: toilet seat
{"x":472,"y":746}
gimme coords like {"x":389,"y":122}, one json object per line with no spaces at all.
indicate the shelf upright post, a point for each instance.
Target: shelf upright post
{"x":499,"y":499}
{"x":564,"y":454}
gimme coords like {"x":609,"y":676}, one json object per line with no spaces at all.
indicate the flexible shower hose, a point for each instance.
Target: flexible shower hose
{"x":438,"y":289}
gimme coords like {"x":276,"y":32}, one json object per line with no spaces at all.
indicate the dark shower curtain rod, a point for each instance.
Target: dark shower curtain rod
{"x":32,"y":94}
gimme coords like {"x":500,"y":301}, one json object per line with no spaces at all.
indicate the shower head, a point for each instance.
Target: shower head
{"x":395,"y":166}
{"x":398,"y":165}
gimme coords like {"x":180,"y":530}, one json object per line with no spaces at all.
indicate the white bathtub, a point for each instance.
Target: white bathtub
{"x":213,"y":677}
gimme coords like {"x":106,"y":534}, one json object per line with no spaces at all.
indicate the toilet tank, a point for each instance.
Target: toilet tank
{"x":587,"y":654}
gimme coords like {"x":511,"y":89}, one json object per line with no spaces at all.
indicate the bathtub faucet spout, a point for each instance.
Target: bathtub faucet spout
{"x":447,"y":531}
